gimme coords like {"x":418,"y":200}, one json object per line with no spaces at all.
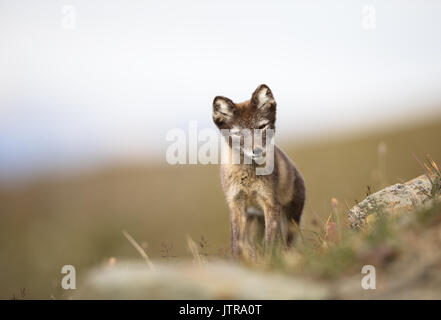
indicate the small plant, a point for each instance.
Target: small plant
{"x":433,"y":173}
{"x":198,"y":258}
{"x":368,"y":190}
{"x":434,"y":177}
{"x":166,"y":251}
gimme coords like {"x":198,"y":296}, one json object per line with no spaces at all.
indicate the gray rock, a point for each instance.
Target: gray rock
{"x":400,"y":196}
{"x":214,"y":280}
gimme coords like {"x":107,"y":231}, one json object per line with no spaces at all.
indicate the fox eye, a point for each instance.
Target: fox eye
{"x":262,"y":126}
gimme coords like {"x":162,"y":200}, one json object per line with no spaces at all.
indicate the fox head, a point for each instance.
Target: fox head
{"x":256,"y":116}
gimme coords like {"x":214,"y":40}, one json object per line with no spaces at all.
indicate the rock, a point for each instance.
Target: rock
{"x":400,"y":196}
{"x":214,"y":280}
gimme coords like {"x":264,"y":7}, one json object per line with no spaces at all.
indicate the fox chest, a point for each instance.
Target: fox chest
{"x":242,"y":183}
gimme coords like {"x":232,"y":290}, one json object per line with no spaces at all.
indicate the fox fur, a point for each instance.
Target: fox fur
{"x":275,"y":200}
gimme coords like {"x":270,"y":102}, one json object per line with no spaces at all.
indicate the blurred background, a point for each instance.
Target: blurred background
{"x":89,"y":89}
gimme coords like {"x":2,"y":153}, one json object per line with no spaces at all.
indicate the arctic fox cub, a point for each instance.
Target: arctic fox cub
{"x":275,"y":199}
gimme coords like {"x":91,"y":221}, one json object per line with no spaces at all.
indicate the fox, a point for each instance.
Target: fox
{"x":275,"y":200}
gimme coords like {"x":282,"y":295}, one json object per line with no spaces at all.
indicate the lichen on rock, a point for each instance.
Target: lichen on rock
{"x":398,"y":197}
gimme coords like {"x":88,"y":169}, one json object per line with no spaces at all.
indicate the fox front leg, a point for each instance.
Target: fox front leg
{"x":272,"y":213}
{"x":238,"y":222}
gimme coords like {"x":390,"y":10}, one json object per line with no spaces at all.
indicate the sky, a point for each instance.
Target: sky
{"x":84,"y":82}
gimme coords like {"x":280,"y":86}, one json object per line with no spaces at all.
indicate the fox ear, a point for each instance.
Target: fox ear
{"x":263,"y":98}
{"x":223,"y":111}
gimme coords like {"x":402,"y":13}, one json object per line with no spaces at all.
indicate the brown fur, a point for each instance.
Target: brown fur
{"x":279,"y":195}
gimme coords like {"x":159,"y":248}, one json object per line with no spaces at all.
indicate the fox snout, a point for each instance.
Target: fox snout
{"x":258,"y":152}
{"x":255,"y":153}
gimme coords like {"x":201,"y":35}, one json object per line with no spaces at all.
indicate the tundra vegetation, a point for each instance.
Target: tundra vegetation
{"x":400,"y":241}
{"x":177,"y":217}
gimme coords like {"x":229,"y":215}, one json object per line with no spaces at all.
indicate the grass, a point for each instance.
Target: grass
{"x":139,"y":249}
{"x":78,"y":219}
{"x":337,"y":250}
{"x":434,"y":174}
{"x":392,"y":243}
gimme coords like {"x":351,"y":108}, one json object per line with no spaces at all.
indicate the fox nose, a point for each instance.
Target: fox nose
{"x":257,"y":151}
